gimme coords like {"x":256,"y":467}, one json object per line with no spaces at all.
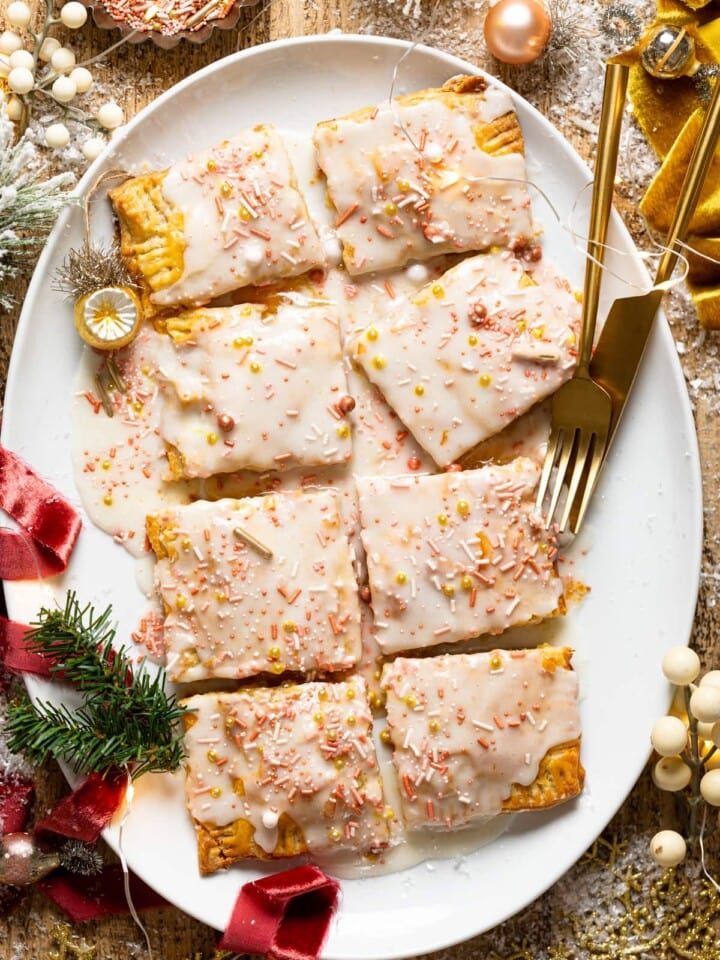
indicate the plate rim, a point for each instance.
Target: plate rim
{"x":695,"y":535}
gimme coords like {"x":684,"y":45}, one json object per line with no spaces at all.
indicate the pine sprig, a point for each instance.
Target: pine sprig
{"x":126,"y":718}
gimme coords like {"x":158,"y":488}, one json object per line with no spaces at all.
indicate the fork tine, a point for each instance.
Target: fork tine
{"x":585,"y":441}
{"x":548,"y":463}
{"x":564,"y":460}
{"x":591,"y":480}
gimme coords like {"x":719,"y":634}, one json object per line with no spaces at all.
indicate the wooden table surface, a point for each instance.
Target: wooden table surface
{"x":136,"y":74}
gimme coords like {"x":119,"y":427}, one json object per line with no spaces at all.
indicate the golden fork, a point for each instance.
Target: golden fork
{"x":581,"y":409}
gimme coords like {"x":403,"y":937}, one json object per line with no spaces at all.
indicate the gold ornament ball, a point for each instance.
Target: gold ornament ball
{"x":668,"y":52}
{"x":517,"y":31}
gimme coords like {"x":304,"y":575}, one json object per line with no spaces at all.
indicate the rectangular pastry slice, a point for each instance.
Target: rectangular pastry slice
{"x":475,"y":735}
{"x":436,"y":171}
{"x":472,"y":350}
{"x":221,"y":219}
{"x":456,"y":555}
{"x":258,"y":585}
{"x":281,"y":772}
{"x":253,"y":387}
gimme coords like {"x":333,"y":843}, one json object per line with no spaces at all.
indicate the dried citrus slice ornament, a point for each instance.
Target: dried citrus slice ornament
{"x":109,"y":318}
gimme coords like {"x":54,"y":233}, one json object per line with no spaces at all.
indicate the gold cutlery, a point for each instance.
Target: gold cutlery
{"x":581,"y":409}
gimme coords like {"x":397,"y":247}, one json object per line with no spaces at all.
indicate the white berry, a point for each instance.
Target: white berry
{"x":705,"y":704}
{"x":14,"y":109}
{"x":93,"y":147}
{"x":681,"y":665}
{"x":18,"y":14}
{"x":669,"y":736}
{"x":9,"y":42}
{"x":73,"y":15}
{"x":668,"y":848}
{"x":22,"y":58}
{"x":63,"y":89}
{"x":57,"y":135}
{"x":711,"y":679}
{"x":48,"y":48}
{"x":671,"y":773}
{"x":63,"y":60}
{"x":433,"y":152}
{"x":710,"y":788}
{"x":417,"y":272}
{"x":83,"y":79}
{"x":110,"y":115}
{"x":21,"y":80}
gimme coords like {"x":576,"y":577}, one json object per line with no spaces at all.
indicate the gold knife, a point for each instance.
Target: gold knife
{"x":623,"y":339}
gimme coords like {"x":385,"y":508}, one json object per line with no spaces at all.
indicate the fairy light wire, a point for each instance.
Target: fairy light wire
{"x":129,"y":794}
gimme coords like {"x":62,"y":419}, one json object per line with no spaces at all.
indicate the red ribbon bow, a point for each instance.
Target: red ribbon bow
{"x":285,"y":916}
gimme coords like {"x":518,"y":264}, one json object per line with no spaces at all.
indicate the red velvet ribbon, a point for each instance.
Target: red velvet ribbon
{"x":16,"y":796}
{"x":285,"y":916}
{"x":89,"y":809}
{"x":49,"y":520}
{"x":16,"y":655}
{"x":87,"y":898}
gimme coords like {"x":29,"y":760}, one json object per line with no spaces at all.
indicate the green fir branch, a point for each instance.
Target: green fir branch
{"x":126,"y":718}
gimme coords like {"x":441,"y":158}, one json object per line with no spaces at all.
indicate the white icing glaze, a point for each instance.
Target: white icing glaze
{"x":303,"y":751}
{"x":455,"y":555}
{"x":473,"y":350}
{"x":276,"y":373}
{"x":119,"y":463}
{"x":244,"y":219}
{"x":466,"y":727}
{"x":232,"y":612}
{"x":408,"y":180}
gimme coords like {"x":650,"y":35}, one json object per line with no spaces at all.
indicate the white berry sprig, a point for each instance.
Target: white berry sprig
{"x":687,"y":746}
{"x":37,"y":66}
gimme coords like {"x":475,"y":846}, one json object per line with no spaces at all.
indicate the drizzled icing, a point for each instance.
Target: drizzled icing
{"x":232,"y":611}
{"x":455,"y":555}
{"x":472,"y":350}
{"x":244,"y":220}
{"x":466,"y":727}
{"x":410,"y":179}
{"x":302,"y":751}
{"x":254,"y":387}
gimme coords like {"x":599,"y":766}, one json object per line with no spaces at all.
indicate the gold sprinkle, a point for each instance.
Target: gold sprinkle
{"x":250,"y":541}
{"x":244,"y":214}
{"x":385,"y":736}
{"x":442,"y":519}
{"x":403,"y":185}
{"x":485,"y":380}
{"x":212,"y":439}
{"x":180,"y":601}
{"x":331,"y":736}
{"x":351,"y":720}
{"x":334,"y":834}
{"x":225,"y":189}
{"x":391,"y":209}
{"x":349,"y":693}
{"x":211,"y":165}
{"x":323,"y":694}
{"x":437,"y":290}
{"x":106,"y":464}
{"x":400,"y":577}
{"x":466,"y":582}
{"x":319,"y":718}
{"x":220,"y":596}
{"x":137,"y":406}
{"x":213,"y":756}
{"x":339,"y":762}
{"x":378,"y":361}
{"x":216,"y":792}
{"x":274,"y":653}
{"x":255,"y":367}
{"x":538,"y":332}
{"x":433,"y":726}
{"x":108,"y":500}
{"x":495,"y":661}
{"x":186,"y":543}
{"x":448,"y":589}
{"x":463,"y":508}
{"x":411,"y":700}
{"x":419,"y":390}
{"x":278,"y":667}
{"x":472,"y":340}
{"x":372,"y":334}
{"x":343,"y":431}
{"x":289,"y":626}
{"x":389,"y":813}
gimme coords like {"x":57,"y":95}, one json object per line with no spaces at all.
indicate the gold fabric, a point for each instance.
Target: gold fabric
{"x":670,"y":114}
